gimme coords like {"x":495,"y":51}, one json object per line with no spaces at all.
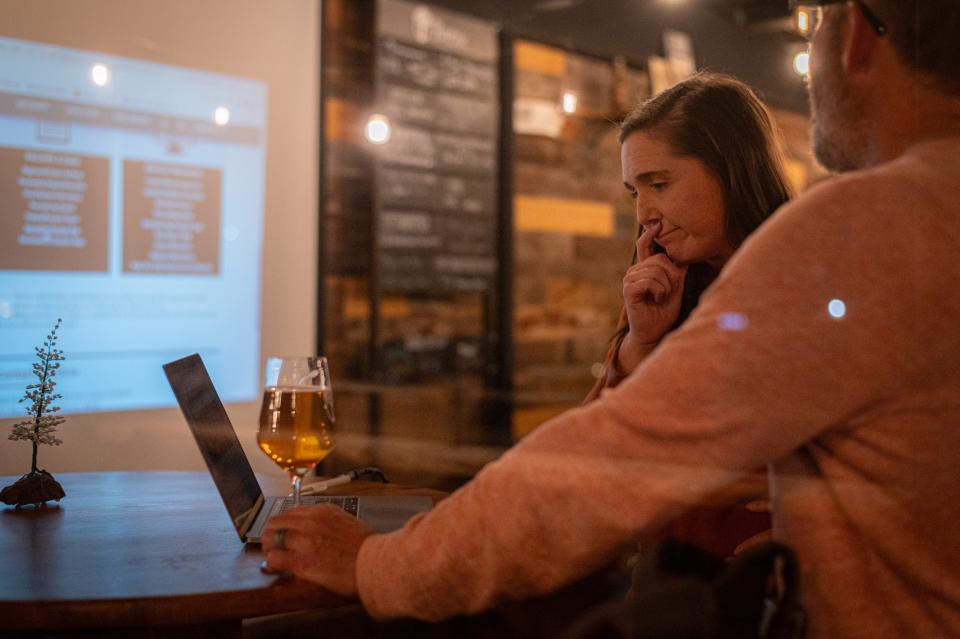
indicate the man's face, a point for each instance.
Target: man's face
{"x":838,"y":125}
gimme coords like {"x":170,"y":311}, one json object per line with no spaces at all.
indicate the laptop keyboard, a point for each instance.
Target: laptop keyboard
{"x":349,"y":504}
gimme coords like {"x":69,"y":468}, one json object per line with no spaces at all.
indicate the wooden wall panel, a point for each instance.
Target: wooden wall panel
{"x":573,"y":226}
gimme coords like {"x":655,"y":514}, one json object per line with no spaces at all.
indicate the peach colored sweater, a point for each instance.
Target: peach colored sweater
{"x":829,"y":348}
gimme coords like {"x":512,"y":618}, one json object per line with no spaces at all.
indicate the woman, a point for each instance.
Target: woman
{"x":700,"y":161}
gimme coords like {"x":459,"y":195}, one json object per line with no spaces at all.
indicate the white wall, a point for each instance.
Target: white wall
{"x":276,"y":41}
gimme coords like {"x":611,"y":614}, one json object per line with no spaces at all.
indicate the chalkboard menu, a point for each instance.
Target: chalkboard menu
{"x":436,"y":81}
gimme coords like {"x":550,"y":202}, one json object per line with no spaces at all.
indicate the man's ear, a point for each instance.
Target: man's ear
{"x":858,"y":42}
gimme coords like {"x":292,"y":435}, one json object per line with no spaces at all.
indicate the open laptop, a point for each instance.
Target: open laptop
{"x":234,"y":477}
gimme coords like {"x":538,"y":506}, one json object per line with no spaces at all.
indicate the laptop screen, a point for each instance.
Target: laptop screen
{"x":215,"y":436}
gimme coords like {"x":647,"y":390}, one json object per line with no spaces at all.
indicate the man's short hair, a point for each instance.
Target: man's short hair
{"x":926,"y":33}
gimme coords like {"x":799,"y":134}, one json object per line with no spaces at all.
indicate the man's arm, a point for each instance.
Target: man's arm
{"x":757,"y":371}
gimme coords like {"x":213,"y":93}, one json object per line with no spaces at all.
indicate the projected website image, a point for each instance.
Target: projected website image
{"x":132,"y":207}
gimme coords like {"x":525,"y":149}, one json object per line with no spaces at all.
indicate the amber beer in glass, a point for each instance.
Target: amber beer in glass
{"x":296,"y":417}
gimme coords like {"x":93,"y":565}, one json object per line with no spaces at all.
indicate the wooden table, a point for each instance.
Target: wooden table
{"x":145,"y":554}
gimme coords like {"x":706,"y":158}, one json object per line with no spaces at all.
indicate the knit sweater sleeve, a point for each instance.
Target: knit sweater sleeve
{"x":779,"y":349}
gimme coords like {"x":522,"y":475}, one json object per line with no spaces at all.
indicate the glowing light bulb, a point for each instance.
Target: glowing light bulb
{"x":100,"y":75}
{"x":221,"y":116}
{"x":801,"y":63}
{"x":377,"y":129}
{"x":802,"y":19}
{"x":569,"y":102}
{"x":836,"y":308}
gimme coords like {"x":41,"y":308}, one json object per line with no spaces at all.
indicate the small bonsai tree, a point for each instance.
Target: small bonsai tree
{"x":39,"y":486}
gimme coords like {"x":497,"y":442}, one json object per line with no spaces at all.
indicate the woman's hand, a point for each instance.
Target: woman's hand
{"x":652,"y":291}
{"x":320,"y":544}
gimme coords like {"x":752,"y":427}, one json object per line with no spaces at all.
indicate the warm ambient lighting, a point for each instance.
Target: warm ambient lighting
{"x":802,"y":20}
{"x":801,"y":63}
{"x":569,"y":102}
{"x":100,"y":74}
{"x":221,"y":116}
{"x":377,"y":130}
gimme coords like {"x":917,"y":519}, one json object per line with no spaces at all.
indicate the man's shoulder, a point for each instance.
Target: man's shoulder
{"x":871,"y":196}
{"x":855,"y":221}
{"x":916,"y":170}
{"x":837,"y":203}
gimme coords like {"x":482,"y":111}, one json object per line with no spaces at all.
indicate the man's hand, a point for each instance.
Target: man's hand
{"x":320,"y":545}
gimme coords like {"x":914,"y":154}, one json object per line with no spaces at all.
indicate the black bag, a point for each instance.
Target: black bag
{"x":682,"y":592}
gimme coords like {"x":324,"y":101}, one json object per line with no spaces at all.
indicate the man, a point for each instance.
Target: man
{"x":828,"y":348}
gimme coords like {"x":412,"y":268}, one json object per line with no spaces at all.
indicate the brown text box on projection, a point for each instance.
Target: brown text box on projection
{"x":56,"y":211}
{"x":171,"y":218}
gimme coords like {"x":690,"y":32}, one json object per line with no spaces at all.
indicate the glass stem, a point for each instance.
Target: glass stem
{"x":295,"y":481}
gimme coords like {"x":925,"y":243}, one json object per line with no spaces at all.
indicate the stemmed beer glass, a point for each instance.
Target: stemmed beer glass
{"x":296,"y":417}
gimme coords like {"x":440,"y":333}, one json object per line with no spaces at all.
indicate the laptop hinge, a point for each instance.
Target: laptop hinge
{"x":245,"y":521}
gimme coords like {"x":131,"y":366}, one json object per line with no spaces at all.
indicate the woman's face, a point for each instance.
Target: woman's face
{"x":680,"y":193}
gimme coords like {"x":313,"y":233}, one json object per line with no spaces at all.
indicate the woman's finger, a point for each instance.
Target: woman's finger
{"x":675,"y":271}
{"x":647,"y":270}
{"x":655,"y":274}
{"x":646,"y":289}
{"x":645,"y":241}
